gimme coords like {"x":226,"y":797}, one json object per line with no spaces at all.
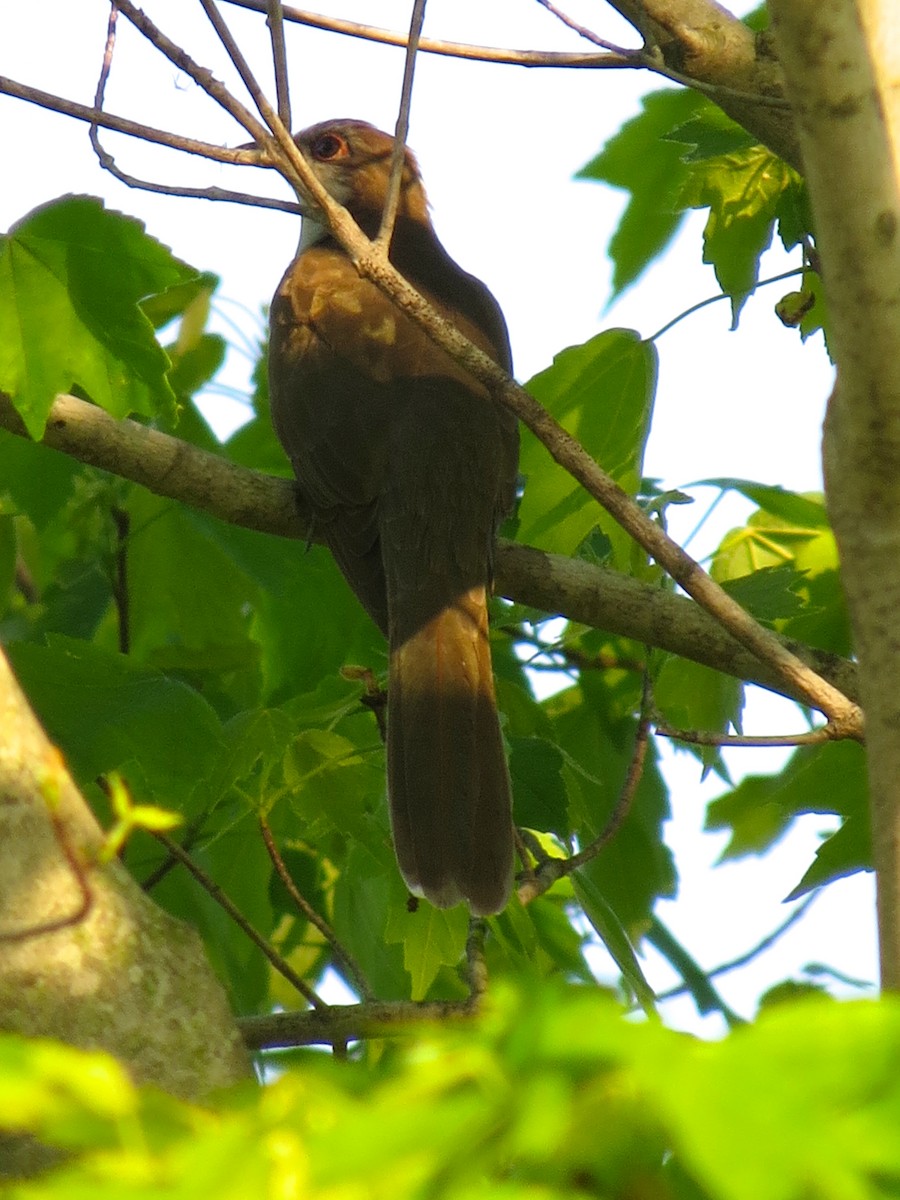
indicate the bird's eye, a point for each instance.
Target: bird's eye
{"x":328,"y":146}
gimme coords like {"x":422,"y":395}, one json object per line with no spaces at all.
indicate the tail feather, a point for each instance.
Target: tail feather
{"x":451,"y":807}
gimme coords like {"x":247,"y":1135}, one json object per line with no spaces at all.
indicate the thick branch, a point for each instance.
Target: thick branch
{"x":572,"y":588}
{"x":348,"y":1022}
{"x":842,"y":69}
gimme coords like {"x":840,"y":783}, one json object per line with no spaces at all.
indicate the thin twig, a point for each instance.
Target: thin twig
{"x":401,"y":130}
{"x":549,"y":870}
{"x":76,"y":866}
{"x":218,"y":895}
{"x":583,"y":31}
{"x":374,"y":698}
{"x":202,"y":76}
{"x":275,"y":21}
{"x":695,"y":308}
{"x":147,"y":133}
{"x":108,"y":163}
{"x":234,"y":52}
{"x":388,"y":37}
{"x":122,"y":523}
{"x":707,"y":737}
{"x":106,"y":160}
{"x":633,"y":59}
{"x":341,"y":952}
{"x":748,"y":956}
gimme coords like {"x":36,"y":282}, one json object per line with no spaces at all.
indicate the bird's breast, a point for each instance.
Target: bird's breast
{"x":325,"y":312}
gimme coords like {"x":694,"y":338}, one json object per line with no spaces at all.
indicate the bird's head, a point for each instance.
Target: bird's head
{"x":353,"y":161}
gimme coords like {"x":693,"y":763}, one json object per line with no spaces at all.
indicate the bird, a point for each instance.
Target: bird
{"x":408,"y":467}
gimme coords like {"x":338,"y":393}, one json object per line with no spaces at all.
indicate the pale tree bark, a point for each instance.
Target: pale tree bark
{"x":85,"y":956}
{"x":842,"y":63}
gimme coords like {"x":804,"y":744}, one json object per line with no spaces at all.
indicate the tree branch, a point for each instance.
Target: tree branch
{"x":569,"y":587}
{"x":348,"y":1023}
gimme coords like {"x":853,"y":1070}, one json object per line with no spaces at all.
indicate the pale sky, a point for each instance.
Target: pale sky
{"x":498,"y":147}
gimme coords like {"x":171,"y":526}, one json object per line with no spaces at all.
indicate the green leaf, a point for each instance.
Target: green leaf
{"x":770,"y":593}
{"x":332,"y":782}
{"x":710,"y":133}
{"x":8,"y":550}
{"x":541,"y":800}
{"x":693,"y":697}
{"x":602,"y":393}
{"x":612,"y":933}
{"x":844,"y":853}
{"x":817,"y":779}
{"x":743,"y":191}
{"x":103,"y":711}
{"x":431,"y":938}
{"x":72,"y":275}
{"x":37,"y":480}
{"x":792,"y":532}
{"x":807,"y":510}
{"x":652,"y":170}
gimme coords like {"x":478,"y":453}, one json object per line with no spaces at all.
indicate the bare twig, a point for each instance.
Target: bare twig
{"x":398,"y":155}
{"x":341,"y":952}
{"x":218,"y":895}
{"x":235,"y":54}
{"x":108,"y":162}
{"x":388,"y":37}
{"x":147,"y":133}
{"x":583,"y":31}
{"x":706,"y":737}
{"x":754,"y":952}
{"x":202,"y":76}
{"x":549,"y":870}
{"x":105,"y":159}
{"x":275,"y":21}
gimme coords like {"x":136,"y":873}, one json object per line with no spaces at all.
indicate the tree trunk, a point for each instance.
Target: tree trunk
{"x":839,"y":58}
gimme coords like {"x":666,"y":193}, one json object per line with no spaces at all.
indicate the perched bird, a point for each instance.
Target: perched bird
{"x":409,"y":466}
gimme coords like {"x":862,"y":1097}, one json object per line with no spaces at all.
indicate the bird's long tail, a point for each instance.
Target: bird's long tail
{"x":451,"y":808}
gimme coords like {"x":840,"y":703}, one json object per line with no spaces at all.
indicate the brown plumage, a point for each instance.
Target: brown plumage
{"x":409,"y":466}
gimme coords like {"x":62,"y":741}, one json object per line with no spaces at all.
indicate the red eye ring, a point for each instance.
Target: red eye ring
{"x":328,"y":146}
